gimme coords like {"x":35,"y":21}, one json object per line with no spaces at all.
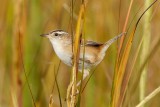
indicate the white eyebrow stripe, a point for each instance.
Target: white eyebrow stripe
{"x":61,"y":32}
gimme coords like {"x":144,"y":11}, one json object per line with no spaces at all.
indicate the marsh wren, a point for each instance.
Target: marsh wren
{"x":94,"y":52}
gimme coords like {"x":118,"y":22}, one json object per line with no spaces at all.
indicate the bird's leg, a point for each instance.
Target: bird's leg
{"x":85,"y":74}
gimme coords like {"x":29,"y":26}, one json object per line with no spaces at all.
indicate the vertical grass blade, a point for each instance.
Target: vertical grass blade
{"x":125,"y":26}
{"x":19,"y":29}
{"x":116,"y":90}
{"x":156,"y":91}
{"x":145,"y":50}
{"x":71,"y":92}
{"x":128,"y":75}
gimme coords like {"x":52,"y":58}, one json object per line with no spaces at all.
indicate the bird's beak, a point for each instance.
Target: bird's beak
{"x":44,"y":35}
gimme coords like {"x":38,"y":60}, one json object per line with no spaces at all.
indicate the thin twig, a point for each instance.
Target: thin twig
{"x":25,"y":72}
{"x":149,"y":97}
{"x":56,"y":76}
{"x":59,"y":95}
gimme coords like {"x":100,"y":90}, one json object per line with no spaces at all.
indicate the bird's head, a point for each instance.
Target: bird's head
{"x":56,"y":35}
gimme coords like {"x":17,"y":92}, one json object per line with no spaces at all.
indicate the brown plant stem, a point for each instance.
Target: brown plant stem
{"x":72,"y":88}
{"x":18,"y":29}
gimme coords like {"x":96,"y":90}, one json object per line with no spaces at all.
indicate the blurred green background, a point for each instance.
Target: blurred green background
{"x":23,"y":50}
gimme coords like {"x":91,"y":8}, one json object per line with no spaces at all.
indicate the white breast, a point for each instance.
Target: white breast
{"x":61,"y":52}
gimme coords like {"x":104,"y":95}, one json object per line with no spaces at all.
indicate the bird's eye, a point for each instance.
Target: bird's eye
{"x":56,"y":34}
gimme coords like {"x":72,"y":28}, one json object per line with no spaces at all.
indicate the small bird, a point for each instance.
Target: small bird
{"x":94,"y":52}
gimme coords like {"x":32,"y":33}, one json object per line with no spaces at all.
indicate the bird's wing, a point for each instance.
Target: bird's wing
{"x":91,"y":43}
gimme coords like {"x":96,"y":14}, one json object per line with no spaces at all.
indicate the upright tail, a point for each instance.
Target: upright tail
{"x":108,"y":43}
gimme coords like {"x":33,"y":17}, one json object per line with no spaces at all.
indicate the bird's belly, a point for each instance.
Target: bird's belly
{"x":64,"y":56}
{"x":67,"y":57}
